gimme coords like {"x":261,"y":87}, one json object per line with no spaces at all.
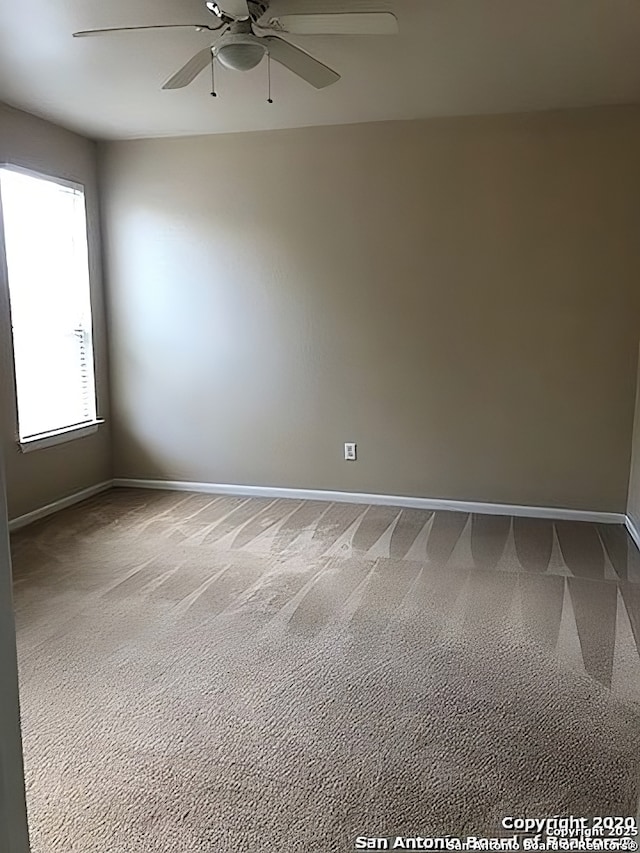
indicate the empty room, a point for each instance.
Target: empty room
{"x":320,"y":422}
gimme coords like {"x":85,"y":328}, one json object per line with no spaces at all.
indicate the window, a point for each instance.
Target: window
{"x":45,"y":235}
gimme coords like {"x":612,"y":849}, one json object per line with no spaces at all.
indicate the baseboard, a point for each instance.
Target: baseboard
{"x":56,"y":506}
{"x":559,"y":513}
{"x":633,"y":531}
{"x":385,"y":500}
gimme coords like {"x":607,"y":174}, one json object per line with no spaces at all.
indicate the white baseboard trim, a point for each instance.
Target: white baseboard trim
{"x":385,"y":500}
{"x":559,"y":513}
{"x":632,"y":530}
{"x":56,"y":506}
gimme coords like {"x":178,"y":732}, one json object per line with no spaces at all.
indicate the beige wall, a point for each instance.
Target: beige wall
{"x":457,"y":296}
{"x":42,"y":476}
{"x":633,"y":502}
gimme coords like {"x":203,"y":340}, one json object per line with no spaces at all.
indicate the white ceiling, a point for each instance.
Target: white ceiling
{"x":452,"y":57}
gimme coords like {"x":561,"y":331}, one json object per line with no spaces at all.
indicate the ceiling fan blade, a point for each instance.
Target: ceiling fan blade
{"x":235,"y":8}
{"x":345,"y":23}
{"x":301,"y":63}
{"x":189,"y":70}
{"x":109,"y":30}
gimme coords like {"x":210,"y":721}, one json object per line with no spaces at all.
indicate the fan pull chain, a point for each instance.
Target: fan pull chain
{"x":214,"y":94}
{"x":269,"y":99}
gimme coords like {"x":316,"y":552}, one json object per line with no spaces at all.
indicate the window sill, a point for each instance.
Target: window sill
{"x":59,"y":436}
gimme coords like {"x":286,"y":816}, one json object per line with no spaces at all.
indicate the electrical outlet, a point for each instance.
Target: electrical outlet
{"x":350,"y":451}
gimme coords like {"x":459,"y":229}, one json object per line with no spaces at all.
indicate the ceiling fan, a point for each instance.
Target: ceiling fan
{"x":249,"y":30}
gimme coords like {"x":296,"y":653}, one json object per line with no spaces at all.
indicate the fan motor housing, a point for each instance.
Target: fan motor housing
{"x":239,"y":51}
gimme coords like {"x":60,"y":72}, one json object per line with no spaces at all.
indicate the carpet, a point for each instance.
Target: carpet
{"x":205,"y":673}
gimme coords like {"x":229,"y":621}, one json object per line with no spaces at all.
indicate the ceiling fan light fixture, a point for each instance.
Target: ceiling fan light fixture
{"x":239,"y":53}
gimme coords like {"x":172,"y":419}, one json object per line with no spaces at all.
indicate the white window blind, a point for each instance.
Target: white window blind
{"x":45,"y":235}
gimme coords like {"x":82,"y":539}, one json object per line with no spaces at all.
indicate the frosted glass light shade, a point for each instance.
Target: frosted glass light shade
{"x":240,"y":56}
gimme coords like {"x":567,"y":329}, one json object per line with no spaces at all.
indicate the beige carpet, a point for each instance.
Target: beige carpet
{"x":233,"y":674}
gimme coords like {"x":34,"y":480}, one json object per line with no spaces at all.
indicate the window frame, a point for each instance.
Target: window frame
{"x":72,"y":431}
